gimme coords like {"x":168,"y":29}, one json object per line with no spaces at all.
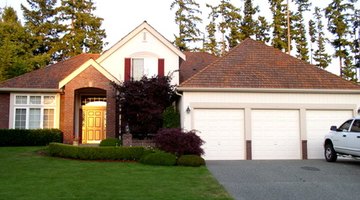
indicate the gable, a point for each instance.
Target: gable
{"x":253,"y":64}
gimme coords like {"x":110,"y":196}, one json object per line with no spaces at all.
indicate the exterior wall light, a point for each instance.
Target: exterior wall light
{"x":188,"y":109}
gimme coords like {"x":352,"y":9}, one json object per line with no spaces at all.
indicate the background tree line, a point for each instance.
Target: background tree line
{"x":229,"y":25}
{"x":53,"y":30}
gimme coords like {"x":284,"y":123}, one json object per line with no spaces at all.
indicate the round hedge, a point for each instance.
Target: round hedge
{"x":191,"y":160}
{"x":159,"y":158}
{"x":110,"y":142}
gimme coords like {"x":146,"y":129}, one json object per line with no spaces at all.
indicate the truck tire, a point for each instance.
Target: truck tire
{"x":330,"y":153}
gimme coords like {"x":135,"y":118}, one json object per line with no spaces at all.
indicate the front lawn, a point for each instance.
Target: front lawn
{"x":26,"y":175}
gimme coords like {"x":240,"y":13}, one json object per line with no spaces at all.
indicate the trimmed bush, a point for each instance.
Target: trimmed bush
{"x":171,"y":118}
{"x":32,"y":137}
{"x":180,"y":143}
{"x":190,"y":160}
{"x":96,"y":153}
{"x":110,"y":142}
{"x":159,"y":158}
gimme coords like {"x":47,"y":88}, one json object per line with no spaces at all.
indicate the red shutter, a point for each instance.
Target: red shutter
{"x":161,"y":63}
{"x":127,"y":69}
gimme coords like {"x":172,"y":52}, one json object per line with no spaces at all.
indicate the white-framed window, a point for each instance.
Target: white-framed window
{"x":137,"y":68}
{"x":34,"y":111}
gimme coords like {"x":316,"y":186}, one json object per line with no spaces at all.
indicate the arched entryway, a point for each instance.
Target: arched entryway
{"x":90,"y":108}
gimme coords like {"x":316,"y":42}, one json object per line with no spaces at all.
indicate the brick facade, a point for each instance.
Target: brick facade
{"x":4,"y":110}
{"x":89,"y":78}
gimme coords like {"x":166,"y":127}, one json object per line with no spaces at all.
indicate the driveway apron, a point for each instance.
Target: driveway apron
{"x":289,"y":179}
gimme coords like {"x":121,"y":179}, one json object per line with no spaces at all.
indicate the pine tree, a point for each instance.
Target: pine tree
{"x":338,"y":15}
{"x":41,"y":22}
{"x":300,"y":31}
{"x":187,"y":18}
{"x":312,"y":33}
{"x":228,"y":20}
{"x":321,"y":58}
{"x":262,"y":30}
{"x":83,"y":33}
{"x":356,"y":34}
{"x":210,"y":45}
{"x":15,"y":49}
{"x":279,"y":25}
{"x":248,"y":24}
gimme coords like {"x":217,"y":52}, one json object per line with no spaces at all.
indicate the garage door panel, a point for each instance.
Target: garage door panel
{"x":275,"y":134}
{"x":318,"y":123}
{"x":223,"y":133}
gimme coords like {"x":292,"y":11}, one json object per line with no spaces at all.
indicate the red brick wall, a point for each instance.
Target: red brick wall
{"x":89,"y":78}
{"x":4,"y":110}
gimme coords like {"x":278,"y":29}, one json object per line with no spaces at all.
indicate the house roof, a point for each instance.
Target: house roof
{"x":253,"y":64}
{"x":48,"y":77}
{"x":195,"y":61}
{"x":136,"y":31}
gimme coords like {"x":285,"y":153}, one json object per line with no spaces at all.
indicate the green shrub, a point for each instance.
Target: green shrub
{"x":96,"y":153}
{"x":32,"y":137}
{"x":159,"y":158}
{"x":171,"y":118}
{"x":190,"y":160}
{"x":110,"y":142}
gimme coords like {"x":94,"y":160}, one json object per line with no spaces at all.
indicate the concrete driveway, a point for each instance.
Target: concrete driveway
{"x":289,"y":179}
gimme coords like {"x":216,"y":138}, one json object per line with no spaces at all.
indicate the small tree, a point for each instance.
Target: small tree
{"x":142,"y":103}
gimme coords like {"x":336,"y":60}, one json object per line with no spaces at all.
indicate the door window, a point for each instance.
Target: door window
{"x":345,"y":126}
{"x":356,"y":126}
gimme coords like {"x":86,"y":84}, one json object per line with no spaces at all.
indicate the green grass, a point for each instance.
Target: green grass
{"x":26,"y":175}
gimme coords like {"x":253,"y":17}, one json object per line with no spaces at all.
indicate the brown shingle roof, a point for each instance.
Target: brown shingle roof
{"x":253,"y":64}
{"x":195,"y":61}
{"x":50,"y":76}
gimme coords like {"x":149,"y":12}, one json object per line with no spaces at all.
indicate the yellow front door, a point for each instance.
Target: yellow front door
{"x":94,"y":124}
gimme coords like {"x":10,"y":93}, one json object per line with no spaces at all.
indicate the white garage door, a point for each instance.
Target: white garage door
{"x":223,"y":133}
{"x":318,"y":123}
{"x":275,"y":134}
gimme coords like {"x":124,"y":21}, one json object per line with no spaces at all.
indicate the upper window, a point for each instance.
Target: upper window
{"x":137,"y":71}
{"x":356,"y":126}
{"x":34,"y":111}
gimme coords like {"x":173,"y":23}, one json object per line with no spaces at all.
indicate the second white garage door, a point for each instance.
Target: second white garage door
{"x":275,"y":134}
{"x":223,"y":133}
{"x":318,"y":123}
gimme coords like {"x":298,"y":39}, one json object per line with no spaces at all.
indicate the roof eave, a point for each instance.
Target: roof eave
{"x":270,"y":90}
{"x":32,"y":90}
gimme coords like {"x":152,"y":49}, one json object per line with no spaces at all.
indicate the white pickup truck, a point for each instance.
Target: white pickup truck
{"x":344,"y":140}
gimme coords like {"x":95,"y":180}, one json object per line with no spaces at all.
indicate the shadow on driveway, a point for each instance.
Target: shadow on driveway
{"x":289,"y":179}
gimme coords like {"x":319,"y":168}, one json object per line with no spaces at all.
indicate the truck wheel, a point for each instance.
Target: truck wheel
{"x":330,"y":154}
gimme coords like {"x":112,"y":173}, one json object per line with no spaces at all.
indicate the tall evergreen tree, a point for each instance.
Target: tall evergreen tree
{"x":338,"y":15}
{"x":15,"y":46}
{"x":211,"y":44}
{"x":279,"y":24}
{"x":248,"y":24}
{"x":312,"y":32}
{"x":321,"y":58}
{"x":228,"y":21}
{"x":41,"y":22}
{"x":84,"y":33}
{"x":300,"y":30}
{"x":187,"y":18}
{"x":356,"y":34}
{"x":262,"y":30}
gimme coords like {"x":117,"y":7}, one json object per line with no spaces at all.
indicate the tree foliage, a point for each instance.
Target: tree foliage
{"x":41,"y":21}
{"x":142,"y":103}
{"x":317,"y":35}
{"x":187,"y":18}
{"x":300,"y":30}
{"x":83,"y":32}
{"x":248,"y":25}
{"x":279,"y":24}
{"x":339,"y":17}
{"x":16,"y":55}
